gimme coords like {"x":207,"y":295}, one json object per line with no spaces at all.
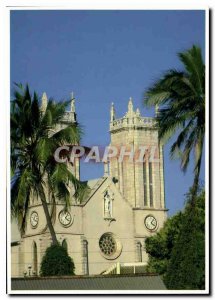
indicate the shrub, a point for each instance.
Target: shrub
{"x":56,"y":262}
{"x":177,"y":251}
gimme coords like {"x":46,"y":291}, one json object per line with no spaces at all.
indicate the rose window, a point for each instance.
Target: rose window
{"x":107,"y":244}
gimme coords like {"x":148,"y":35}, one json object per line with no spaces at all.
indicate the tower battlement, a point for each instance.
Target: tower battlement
{"x":69,"y":116}
{"x":132,"y":119}
{"x":130,"y":122}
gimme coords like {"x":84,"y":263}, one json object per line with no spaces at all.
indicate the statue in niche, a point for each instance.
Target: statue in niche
{"x":107,"y":205}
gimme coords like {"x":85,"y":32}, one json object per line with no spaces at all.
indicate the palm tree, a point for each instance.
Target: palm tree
{"x":33,"y":142}
{"x":181,"y":95}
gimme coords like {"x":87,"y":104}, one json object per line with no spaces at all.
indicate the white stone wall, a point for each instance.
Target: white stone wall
{"x":95,"y":226}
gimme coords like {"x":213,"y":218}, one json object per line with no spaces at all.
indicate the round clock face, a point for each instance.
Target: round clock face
{"x":65,"y":218}
{"x":34,"y":219}
{"x":151,"y":223}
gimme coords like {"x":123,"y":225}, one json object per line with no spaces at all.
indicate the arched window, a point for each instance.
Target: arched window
{"x":151,"y":184}
{"x":145,"y":184}
{"x":35,"y":271}
{"x":85,"y":258}
{"x":139,"y":252}
{"x":64,"y":245}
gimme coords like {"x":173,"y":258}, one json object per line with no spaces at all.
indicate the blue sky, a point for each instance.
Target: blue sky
{"x":104,"y":57}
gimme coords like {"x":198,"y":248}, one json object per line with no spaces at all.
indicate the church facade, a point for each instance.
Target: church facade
{"x":111,"y":224}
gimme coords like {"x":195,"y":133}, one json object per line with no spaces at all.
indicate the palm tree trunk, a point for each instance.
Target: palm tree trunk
{"x":194,"y":189}
{"x":195,"y":182}
{"x":46,"y":211}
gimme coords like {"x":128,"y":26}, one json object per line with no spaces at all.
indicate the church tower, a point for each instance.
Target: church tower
{"x":140,"y":181}
{"x":69,"y":117}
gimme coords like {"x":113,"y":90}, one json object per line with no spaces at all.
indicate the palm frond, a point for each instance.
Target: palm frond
{"x":181,"y":96}
{"x":71,"y":134}
{"x":181,"y":139}
{"x":192,"y":60}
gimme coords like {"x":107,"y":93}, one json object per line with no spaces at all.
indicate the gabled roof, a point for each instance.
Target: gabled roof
{"x":95,"y":186}
{"x":107,"y":282}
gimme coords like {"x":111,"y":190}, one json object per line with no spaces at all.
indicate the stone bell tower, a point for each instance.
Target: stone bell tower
{"x":141,"y":181}
{"x":69,"y":117}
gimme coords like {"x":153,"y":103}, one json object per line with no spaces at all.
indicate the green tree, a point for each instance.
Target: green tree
{"x":33,"y":143}
{"x":159,"y":247}
{"x":181,"y":95}
{"x":186,"y":268}
{"x":177,"y":251}
{"x":56,"y":262}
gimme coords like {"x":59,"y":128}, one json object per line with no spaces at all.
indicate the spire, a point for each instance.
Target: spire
{"x":72,"y":103}
{"x":44,"y":102}
{"x":138,"y":112}
{"x":130,"y":105}
{"x":130,"y":113}
{"x":112,"y":113}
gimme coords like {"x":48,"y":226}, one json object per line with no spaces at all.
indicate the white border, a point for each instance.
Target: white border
{"x":207,"y":152}
{"x":111,"y":4}
{"x":6,"y":6}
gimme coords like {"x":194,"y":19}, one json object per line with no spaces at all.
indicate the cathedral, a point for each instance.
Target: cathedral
{"x":123,"y":207}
